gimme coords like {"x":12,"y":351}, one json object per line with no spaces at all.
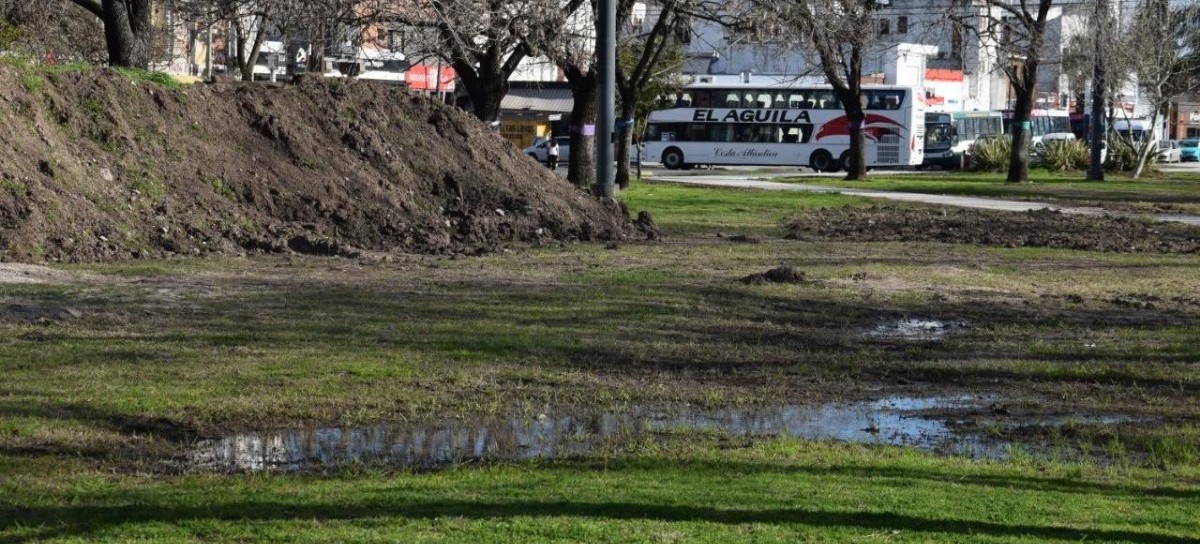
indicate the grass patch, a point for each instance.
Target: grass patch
{"x":780,"y":491}
{"x":160,"y":79}
{"x":685,"y":210}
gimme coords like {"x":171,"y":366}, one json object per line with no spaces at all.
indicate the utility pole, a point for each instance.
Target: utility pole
{"x":606,"y":51}
{"x":1097,"y":132}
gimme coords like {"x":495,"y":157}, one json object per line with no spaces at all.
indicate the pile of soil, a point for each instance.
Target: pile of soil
{"x":98,"y":166}
{"x":1040,"y":228}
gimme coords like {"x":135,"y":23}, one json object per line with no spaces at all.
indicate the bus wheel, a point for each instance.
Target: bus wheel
{"x":844,"y":161}
{"x":821,"y":161}
{"x":673,"y":159}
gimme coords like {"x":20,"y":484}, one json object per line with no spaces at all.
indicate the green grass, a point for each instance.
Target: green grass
{"x":160,"y":79}
{"x":778,"y":491}
{"x":682,"y":209}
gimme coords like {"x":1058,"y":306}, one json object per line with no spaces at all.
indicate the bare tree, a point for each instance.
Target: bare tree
{"x":1156,"y":45}
{"x":247,"y":22}
{"x":1017,"y":29}
{"x":322,"y":25}
{"x":128,"y":30}
{"x":485,"y":41}
{"x":643,"y":55}
{"x":841,"y":32}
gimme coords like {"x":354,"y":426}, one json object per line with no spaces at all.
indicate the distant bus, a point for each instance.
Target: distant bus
{"x":1042,"y":122}
{"x":948,"y":136}
{"x":783,"y":123}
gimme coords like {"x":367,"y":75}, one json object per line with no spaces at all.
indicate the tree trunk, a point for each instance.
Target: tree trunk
{"x":486,"y":97}
{"x":581,"y":165}
{"x":856,"y":167}
{"x":1096,"y":134}
{"x":1018,"y":164}
{"x":624,"y":140}
{"x":486,"y":86}
{"x":316,"y":50}
{"x":128,"y":32}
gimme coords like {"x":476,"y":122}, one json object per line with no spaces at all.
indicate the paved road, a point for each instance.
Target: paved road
{"x":756,"y":181}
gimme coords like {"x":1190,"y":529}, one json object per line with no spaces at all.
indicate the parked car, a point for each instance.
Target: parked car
{"x":1168,"y":151}
{"x":1047,"y":139}
{"x":1189,"y":150}
{"x":538,"y":151}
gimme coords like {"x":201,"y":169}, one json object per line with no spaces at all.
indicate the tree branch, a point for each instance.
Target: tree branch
{"x":92,"y":6}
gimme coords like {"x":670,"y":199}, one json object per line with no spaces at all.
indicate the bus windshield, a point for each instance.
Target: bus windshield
{"x":939,"y":133}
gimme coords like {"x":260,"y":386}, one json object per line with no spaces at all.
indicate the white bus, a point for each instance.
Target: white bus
{"x":782,"y":123}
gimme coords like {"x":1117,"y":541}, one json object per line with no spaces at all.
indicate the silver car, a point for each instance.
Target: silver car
{"x":1169,"y":151}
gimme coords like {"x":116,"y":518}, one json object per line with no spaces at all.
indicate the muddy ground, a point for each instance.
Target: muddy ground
{"x":99,"y":166}
{"x":1040,"y":228}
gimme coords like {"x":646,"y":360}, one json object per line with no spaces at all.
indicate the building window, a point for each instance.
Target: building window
{"x":885,"y":27}
{"x":902,"y":25}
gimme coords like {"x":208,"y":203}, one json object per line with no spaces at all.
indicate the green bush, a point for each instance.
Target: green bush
{"x":990,"y":155}
{"x":1061,"y":156}
{"x":1122,"y":157}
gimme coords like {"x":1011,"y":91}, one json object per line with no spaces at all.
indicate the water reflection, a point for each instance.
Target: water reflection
{"x":889,"y":421}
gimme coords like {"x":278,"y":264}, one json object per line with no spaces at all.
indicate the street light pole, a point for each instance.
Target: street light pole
{"x":606,"y":51}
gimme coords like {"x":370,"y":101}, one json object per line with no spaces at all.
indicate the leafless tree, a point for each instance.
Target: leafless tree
{"x":485,"y":41}
{"x":247,"y":22}
{"x":321,"y":25}
{"x":1156,"y":48}
{"x":841,"y":33}
{"x":1017,"y":29}
{"x":646,"y":59}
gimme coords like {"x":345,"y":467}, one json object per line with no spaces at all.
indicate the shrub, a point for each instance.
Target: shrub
{"x":1060,"y":155}
{"x":990,"y":155}
{"x":1122,"y":157}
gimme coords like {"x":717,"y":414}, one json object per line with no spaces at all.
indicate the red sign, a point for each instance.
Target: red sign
{"x":421,"y":77}
{"x":936,"y":74}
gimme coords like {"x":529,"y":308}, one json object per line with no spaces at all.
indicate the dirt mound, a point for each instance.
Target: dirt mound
{"x":99,"y":166}
{"x":1041,"y":228}
{"x":779,"y":274}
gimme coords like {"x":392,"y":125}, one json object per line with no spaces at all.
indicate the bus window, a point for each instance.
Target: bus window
{"x":720,"y":133}
{"x":748,"y":100}
{"x":781,"y":101}
{"x":732,"y":100}
{"x":685,"y":101}
{"x":764,"y":100}
{"x":703,"y":99}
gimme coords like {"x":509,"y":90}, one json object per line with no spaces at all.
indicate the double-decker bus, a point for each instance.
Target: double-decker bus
{"x":948,"y":136}
{"x":764,"y":121}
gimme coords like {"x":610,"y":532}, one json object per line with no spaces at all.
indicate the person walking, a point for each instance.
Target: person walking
{"x":552,"y":154}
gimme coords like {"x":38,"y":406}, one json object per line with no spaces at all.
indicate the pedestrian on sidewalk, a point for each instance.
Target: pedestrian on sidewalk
{"x":552,"y":154}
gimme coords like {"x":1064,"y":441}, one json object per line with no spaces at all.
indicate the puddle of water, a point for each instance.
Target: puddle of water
{"x":894,"y":421}
{"x":914,"y":329}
